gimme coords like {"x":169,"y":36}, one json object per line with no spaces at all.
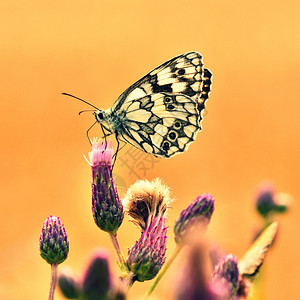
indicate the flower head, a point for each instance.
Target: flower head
{"x":193,"y":280}
{"x":196,"y":215}
{"x":147,"y":203}
{"x":227,"y":271}
{"x":147,"y":256}
{"x":144,"y":199}
{"x":69,"y":285}
{"x":96,"y":281}
{"x":106,"y":205}
{"x":268,"y":202}
{"x":54,"y":243}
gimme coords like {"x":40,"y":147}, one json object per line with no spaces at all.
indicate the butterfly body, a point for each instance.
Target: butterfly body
{"x":161,"y":113}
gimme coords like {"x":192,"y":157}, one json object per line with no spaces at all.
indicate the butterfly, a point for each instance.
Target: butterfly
{"x":253,"y":259}
{"x":161,"y":113}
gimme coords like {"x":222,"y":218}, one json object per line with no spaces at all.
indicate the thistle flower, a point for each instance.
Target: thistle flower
{"x":144,"y":199}
{"x":193,"y":280}
{"x":268,"y":202}
{"x":196,"y":215}
{"x":147,"y":203}
{"x":147,"y":256}
{"x":96,"y":281}
{"x":227,"y":271}
{"x":69,"y":286}
{"x":54,"y":243}
{"x":106,"y":205}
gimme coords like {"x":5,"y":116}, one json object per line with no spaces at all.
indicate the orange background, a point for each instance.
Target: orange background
{"x":95,"y":50}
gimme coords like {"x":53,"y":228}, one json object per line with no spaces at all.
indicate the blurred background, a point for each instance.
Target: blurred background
{"x":95,"y":50}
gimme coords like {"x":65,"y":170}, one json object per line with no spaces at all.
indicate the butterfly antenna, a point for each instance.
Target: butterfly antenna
{"x":85,"y":110}
{"x":66,"y":94}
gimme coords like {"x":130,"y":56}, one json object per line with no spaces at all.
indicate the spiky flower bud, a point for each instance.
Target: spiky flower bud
{"x":106,"y":205}
{"x":147,"y":203}
{"x":54,"y":243}
{"x":268,"y":202}
{"x":97,"y":279}
{"x":193,"y":279}
{"x":147,"y":256}
{"x":227,"y":271}
{"x":69,"y":286}
{"x":197,"y":214}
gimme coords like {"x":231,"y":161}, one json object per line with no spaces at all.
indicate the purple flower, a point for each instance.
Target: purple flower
{"x":193,"y":279}
{"x":106,"y":205}
{"x":147,"y":256}
{"x":97,"y":281}
{"x":268,"y":202}
{"x":54,"y":243}
{"x":226,"y":271}
{"x":147,"y":203}
{"x":69,"y":286}
{"x":196,"y":216}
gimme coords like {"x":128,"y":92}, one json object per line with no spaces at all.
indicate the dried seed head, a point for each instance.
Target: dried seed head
{"x":145,"y":199}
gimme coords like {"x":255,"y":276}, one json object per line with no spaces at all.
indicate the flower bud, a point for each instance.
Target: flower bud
{"x":107,"y":207}
{"x":147,"y":256}
{"x":97,"y":280}
{"x":69,"y":286}
{"x":196,"y":215}
{"x":227,"y":271}
{"x":54,"y":243}
{"x":268,"y":202}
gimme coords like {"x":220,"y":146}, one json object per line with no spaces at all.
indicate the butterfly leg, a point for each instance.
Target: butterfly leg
{"x":118,"y":149}
{"x":87,"y":132}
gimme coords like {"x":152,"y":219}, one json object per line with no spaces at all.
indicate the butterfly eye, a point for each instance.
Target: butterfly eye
{"x":166,"y":146}
{"x":99,"y":115}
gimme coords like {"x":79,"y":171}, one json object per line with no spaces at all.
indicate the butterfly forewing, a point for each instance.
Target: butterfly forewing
{"x":182,"y":74}
{"x":162,"y":124}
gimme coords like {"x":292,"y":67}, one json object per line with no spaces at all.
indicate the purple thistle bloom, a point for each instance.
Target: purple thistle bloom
{"x":193,"y":279}
{"x":227,"y":271}
{"x":268,"y":202}
{"x":107,"y":207}
{"x":199,"y":212}
{"x":97,"y":279}
{"x":265,"y":200}
{"x":69,"y":286}
{"x":54,"y":243}
{"x":147,"y":255}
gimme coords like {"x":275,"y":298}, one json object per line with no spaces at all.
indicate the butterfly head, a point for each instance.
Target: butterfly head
{"x":99,"y":115}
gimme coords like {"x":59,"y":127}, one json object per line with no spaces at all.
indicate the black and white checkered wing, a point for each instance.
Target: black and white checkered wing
{"x":183,"y":74}
{"x":163,"y":124}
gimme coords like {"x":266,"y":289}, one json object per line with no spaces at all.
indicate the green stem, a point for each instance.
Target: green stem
{"x":53,"y":281}
{"x":114,"y":239}
{"x":163,"y":271}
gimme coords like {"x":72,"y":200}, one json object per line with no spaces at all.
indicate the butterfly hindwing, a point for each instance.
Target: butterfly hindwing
{"x":162,"y":124}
